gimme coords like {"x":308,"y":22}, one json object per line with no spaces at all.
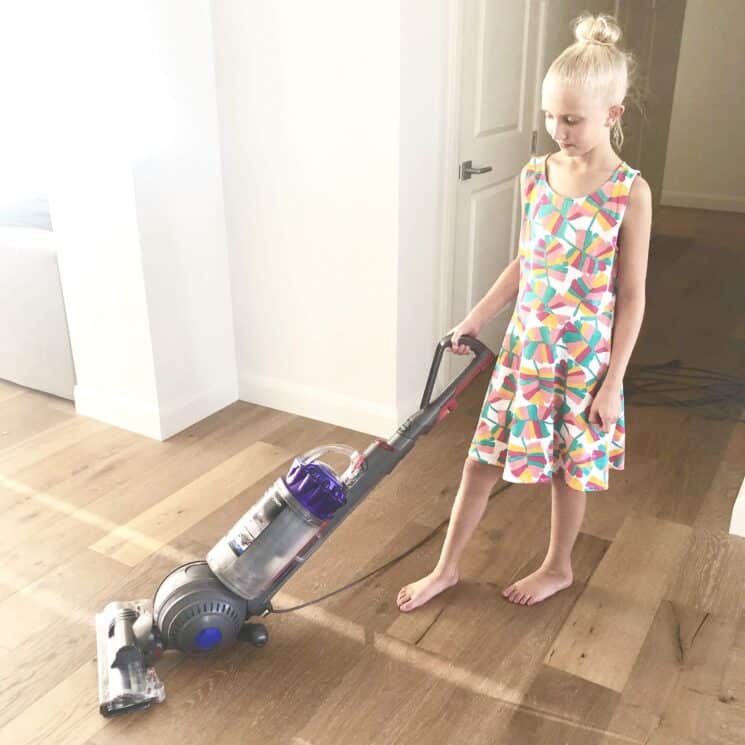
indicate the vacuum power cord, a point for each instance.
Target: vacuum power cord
{"x":644,"y":385}
{"x":384,"y":566}
{"x":660,"y":384}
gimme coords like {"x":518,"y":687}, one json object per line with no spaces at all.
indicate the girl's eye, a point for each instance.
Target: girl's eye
{"x":568,"y":120}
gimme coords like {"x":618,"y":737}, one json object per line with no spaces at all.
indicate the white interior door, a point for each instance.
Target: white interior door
{"x":499,"y":44}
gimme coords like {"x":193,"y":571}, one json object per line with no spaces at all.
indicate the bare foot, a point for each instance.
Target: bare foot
{"x":419,"y":592}
{"x":537,"y":586}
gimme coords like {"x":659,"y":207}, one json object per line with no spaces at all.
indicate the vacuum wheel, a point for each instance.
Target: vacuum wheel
{"x":254,"y":633}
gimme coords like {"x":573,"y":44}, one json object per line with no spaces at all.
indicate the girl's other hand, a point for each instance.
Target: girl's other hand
{"x":605,"y":409}
{"x":469,"y":326}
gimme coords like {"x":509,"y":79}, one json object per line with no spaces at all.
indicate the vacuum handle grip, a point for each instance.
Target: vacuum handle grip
{"x":483,"y":355}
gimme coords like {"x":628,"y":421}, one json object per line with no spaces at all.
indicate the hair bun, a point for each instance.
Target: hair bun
{"x":600,"y":29}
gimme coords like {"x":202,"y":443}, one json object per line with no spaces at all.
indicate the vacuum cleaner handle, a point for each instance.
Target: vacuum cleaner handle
{"x":484,"y":357}
{"x":382,"y":456}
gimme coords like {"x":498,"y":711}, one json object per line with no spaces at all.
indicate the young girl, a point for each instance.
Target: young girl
{"x":553,"y":410}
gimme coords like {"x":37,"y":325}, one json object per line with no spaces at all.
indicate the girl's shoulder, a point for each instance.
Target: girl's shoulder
{"x":640,"y":193}
{"x":531,"y":174}
{"x":630,"y":169}
{"x":629,"y":180}
{"x":532,"y":168}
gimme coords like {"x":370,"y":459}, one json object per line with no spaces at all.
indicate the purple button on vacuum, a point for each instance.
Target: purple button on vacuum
{"x":316,"y":487}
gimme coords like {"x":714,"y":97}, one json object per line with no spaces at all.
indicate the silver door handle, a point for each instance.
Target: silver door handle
{"x":466,"y":170}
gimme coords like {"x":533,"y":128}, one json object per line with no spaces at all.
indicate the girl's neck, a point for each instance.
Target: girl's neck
{"x":599,"y":158}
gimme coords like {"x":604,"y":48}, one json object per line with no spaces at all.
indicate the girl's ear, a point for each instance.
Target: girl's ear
{"x":615,"y":112}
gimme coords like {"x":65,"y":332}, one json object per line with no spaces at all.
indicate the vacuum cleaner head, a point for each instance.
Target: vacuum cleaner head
{"x":126,"y":650}
{"x":192,"y":611}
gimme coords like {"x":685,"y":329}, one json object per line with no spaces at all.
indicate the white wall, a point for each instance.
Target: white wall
{"x":706,"y":150}
{"x":425,"y":35}
{"x":330,"y":117}
{"x":137,"y":206}
{"x":312,"y":284}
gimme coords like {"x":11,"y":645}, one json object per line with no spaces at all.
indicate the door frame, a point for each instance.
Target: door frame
{"x":451,"y":163}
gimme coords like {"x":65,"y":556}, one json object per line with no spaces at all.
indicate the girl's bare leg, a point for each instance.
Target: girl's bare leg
{"x":555,"y":573}
{"x":476,"y":484}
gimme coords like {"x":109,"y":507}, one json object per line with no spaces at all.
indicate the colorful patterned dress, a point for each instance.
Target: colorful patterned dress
{"x":556,"y":349}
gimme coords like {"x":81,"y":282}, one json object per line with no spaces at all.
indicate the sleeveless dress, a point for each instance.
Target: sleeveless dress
{"x":556,"y":349}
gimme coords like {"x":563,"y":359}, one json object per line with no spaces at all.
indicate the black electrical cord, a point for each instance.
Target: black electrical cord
{"x":639,"y":381}
{"x":384,"y":566}
{"x":652,"y":385}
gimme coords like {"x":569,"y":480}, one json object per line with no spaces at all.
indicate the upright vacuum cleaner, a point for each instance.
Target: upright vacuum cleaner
{"x":204,"y":606}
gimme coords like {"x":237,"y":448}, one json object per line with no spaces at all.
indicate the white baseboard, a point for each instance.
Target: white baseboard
{"x":160,"y":423}
{"x":718,"y":202}
{"x":737,"y":522}
{"x":177,"y":417}
{"x":351,"y":412}
{"x":125,"y":413}
{"x":149,"y":419}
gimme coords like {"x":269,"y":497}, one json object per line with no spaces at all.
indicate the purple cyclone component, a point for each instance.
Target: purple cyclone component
{"x":316,"y":487}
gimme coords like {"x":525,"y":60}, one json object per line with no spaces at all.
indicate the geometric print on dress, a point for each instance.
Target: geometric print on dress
{"x":556,"y":348}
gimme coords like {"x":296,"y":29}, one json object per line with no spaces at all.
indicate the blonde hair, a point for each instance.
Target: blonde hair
{"x":596,"y":64}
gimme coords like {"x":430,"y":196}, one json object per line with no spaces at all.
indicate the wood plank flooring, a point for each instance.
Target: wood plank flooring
{"x":647,"y":646}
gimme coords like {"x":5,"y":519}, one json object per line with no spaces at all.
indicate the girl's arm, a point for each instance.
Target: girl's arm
{"x":633,"y":240}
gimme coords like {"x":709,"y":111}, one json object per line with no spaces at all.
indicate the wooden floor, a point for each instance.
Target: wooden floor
{"x":647,"y":646}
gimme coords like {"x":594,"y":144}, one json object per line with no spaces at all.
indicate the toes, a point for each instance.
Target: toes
{"x":404,"y":599}
{"x":515,"y":595}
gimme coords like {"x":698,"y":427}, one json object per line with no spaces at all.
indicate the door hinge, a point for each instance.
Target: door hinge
{"x":534,"y":142}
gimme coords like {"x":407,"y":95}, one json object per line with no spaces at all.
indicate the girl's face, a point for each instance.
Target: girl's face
{"x":576,"y":122}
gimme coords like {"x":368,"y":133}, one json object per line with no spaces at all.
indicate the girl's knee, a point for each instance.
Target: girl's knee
{"x":560,"y":483}
{"x":479,"y":468}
